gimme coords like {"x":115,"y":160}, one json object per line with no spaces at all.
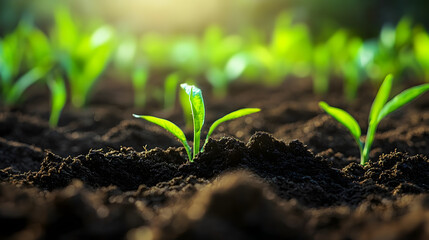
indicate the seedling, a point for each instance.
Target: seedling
{"x":15,"y":76}
{"x":321,"y":61}
{"x":140,"y":77}
{"x":170,"y":89}
{"x":290,"y":50}
{"x":58,"y":98}
{"x":83,"y":55}
{"x":13,"y":92}
{"x":421,"y":51}
{"x":220,"y":78}
{"x":198,"y":114}
{"x":379,"y":110}
{"x":185,"y":55}
{"x":219,"y":81}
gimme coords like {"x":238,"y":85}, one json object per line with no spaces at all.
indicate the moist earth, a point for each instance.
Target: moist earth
{"x":288,"y":172}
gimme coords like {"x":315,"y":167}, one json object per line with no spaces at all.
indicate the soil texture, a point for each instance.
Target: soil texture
{"x":288,"y":172}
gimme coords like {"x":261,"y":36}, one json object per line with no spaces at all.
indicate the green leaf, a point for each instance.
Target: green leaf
{"x":230,"y":116}
{"x":39,"y":47}
{"x":65,"y":32}
{"x":83,"y":79}
{"x":197,"y":104}
{"x":198,"y":112}
{"x":344,"y":118}
{"x":186,"y":107}
{"x":24,"y":82}
{"x":402,"y":99}
{"x":171,"y":127}
{"x":381,"y":98}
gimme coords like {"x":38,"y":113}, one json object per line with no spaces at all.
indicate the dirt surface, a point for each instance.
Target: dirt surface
{"x":288,"y":172}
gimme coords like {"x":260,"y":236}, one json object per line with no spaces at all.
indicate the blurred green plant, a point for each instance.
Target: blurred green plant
{"x":58,"y":91}
{"x":170,"y":89}
{"x":219,"y":52}
{"x":140,"y":77}
{"x":339,"y":57}
{"x":84,"y":55}
{"x":392,"y":52}
{"x":215,"y":56}
{"x":290,"y":50}
{"x":24,"y":60}
{"x":125,"y":57}
{"x":156,"y":49}
{"x":421,"y":49}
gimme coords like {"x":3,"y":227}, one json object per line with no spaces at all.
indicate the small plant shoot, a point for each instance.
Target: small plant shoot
{"x":380,"y":108}
{"x":198,"y":112}
{"x":170,"y":89}
{"x":186,"y":107}
{"x":83,"y":55}
{"x":58,"y":98}
{"x":198,"y":115}
{"x":140,"y":77}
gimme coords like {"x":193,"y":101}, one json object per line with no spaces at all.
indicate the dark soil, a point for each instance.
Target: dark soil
{"x":289,"y":172}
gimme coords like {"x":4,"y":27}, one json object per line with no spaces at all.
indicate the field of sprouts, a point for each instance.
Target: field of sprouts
{"x":281,"y":132}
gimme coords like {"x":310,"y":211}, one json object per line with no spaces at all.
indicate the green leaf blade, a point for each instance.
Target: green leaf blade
{"x":58,"y":98}
{"x":197,"y":104}
{"x":231,"y":116}
{"x":171,"y":127}
{"x":401,"y":99}
{"x":344,"y":118}
{"x":25,"y":82}
{"x":198,"y":112}
{"x":381,"y":98}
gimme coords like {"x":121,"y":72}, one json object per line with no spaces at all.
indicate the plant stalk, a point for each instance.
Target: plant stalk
{"x":368,"y":142}
{"x":196,"y":143}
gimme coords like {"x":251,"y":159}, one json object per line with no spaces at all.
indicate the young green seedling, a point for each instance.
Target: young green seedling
{"x":24,"y":61}
{"x":140,"y":78}
{"x":220,"y":78}
{"x":379,"y":110}
{"x":83,"y":55}
{"x":58,"y":98}
{"x":198,"y":114}
{"x":170,"y":89}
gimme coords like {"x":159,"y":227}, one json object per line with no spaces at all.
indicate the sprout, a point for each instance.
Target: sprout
{"x":170,"y":88}
{"x":15,"y":90}
{"x":140,"y":77}
{"x":16,"y":74}
{"x":58,"y":98}
{"x":198,"y":114}
{"x":83,"y":55}
{"x":379,"y":110}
